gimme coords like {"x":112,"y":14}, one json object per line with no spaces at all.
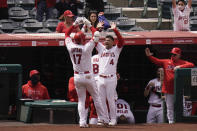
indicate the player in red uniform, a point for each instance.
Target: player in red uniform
{"x":34,"y":88}
{"x":169,"y":65}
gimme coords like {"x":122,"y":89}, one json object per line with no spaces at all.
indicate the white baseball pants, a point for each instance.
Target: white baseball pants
{"x":106,"y":87}
{"x":169,"y":98}
{"x":155,"y":114}
{"x":83,"y":82}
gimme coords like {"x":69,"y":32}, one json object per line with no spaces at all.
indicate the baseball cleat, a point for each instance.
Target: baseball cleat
{"x":102,"y":123}
{"x":83,"y":125}
{"x":112,"y":123}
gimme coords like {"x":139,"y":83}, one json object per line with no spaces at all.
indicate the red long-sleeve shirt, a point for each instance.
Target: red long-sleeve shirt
{"x":50,"y":3}
{"x":3,"y":4}
{"x":168,"y":65}
{"x":72,"y":93}
{"x":37,"y":92}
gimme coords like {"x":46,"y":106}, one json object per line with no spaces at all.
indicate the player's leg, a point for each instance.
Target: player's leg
{"x":81,"y":92}
{"x":160,"y":115}
{"x":110,"y":91}
{"x":94,"y":92}
{"x":170,"y":107}
{"x":151,"y":115}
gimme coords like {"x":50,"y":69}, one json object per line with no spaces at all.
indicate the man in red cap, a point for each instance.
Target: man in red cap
{"x":169,"y":66}
{"x":34,"y":88}
{"x":68,"y":21}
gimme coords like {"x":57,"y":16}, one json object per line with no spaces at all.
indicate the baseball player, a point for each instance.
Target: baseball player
{"x":123,"y":112}
{"x":108,"y":58}
{"x":80,"y":54}
{"x":169,"y":66}
{"x":181,"y":12}
{"x":153,"y":89}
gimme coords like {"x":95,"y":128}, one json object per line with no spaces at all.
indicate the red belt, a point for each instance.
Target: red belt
{"x":156,"y":105}
{"x":106,"y":76}
{"x":86,"y":72}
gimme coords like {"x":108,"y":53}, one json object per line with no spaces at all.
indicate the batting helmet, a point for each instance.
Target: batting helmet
{"x":79,"y":38}
{"x":176,"y":50}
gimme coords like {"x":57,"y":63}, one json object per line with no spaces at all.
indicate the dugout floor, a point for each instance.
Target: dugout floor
{"x":20,"y":126}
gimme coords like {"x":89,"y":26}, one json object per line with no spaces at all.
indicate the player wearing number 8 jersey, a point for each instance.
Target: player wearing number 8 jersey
{"x":80,"y":54}
{"x":181,"y":13}
{"x":108,"y":58}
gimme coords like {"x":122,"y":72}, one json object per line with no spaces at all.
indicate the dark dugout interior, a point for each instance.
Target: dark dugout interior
{"x":56,"y":68}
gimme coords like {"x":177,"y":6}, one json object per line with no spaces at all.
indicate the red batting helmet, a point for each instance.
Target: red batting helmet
{"x":33,"y":72}
{"x":176,"y":50}
{"x":79,"y":38}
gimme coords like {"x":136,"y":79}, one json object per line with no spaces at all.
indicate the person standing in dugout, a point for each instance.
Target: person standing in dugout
{"x":153,"y":90}
{"x":169,"y":66}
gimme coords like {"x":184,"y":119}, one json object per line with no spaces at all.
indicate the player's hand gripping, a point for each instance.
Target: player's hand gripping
{"x":87,"y":22}
{"x":148,"y":53}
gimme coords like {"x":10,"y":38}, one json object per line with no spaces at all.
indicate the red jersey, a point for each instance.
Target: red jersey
{"x":37,"y":92}
{"x":50,"y":3}
{"x":72,"y":93}
{"x":61,"y":28}
{"x":3,"y":4}
{"x":168,"y":65}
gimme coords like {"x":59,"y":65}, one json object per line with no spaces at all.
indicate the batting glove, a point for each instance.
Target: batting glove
{"x":96,"y":36}
{"x":87,"y":22}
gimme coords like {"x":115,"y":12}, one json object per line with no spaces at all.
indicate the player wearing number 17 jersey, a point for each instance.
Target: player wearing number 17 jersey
{"x":181,"y":13}
{"x":108,"y":59}
{"x":80,"y":54}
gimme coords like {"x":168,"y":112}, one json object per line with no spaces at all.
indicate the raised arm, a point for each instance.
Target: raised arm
{"x":155,"y":60}
{"x":119,"y":37}
{"x":189,"y":3}
{"x":173,"y":3}
{"x":75,"y":25}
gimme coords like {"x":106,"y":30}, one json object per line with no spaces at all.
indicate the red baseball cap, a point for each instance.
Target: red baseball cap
{"x":176,"y":51}
{"x":33,"y":72}
{"x":68,"y":13}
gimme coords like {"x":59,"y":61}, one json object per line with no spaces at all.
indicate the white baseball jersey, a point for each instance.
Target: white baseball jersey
{"x":108,"y":59}
{"x":187,"y":107}
{"x":80,"y":55}
{"x":154,"y":98}
{"x":95,"y":65}
{"x":181,"y":19}
{"x":123,"y":108}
